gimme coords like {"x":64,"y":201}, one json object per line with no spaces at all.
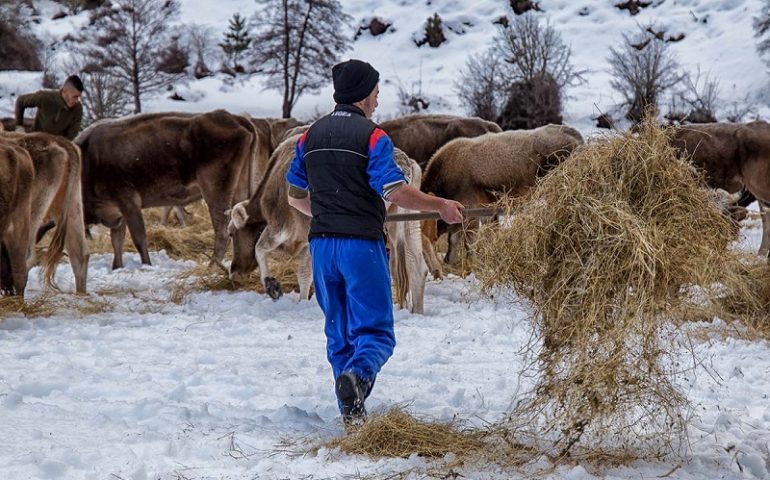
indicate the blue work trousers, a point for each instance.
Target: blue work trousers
{"x":352,"y":285}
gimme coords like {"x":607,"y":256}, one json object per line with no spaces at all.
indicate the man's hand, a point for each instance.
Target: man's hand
{"x":20,"y":129}
{"x":451,"y":211}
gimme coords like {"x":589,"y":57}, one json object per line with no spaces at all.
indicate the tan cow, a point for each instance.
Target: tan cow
{"x":164,"y":159}
{"x":474,"y":171}
{"x":16,"y":176}
{"x":419,"y":136}
{"x":267,"y":222}
{"x":268,"y":219}
{"x":56,"y":194}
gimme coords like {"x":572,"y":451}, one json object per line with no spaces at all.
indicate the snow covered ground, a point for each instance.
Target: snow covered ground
{"x":208,"y":388}
{"x":718,"y":40}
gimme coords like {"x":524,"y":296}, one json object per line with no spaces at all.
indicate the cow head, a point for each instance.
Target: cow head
{"x":245,"y":230}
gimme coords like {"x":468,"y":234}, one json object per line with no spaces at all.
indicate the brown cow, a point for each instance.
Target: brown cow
{"x":732,"y":155}
{"x":56,"y":194}
{"x":16,"y":177}
{"x":512,"y":161}
{"x":162,"y":159}
{"x":269,"y":218}
{"x":419,"y":136}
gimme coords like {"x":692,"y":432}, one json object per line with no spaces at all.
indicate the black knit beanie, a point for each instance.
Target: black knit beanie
{"x":353,"y":80}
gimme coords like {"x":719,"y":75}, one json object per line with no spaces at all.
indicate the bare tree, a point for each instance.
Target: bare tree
{"x":19,"y":48}
{"x":296,"y":44}
{"x":642,"y":69}
{"x":128,"y":39}
{"x":738,"y":111}
{"x":479,"y":85}
{"x":701,"y":95}
{"x":523,"y":76}
{"x":535,"y":50}
{"x":200,"y":40}
{"x":762,"y":29}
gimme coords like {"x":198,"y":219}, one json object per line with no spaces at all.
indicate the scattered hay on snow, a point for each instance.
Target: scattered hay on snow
{"x":49,"y":304}
{"x":396,"y":433}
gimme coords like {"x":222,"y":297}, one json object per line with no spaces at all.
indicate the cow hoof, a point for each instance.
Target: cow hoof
{"x":273,"y":288}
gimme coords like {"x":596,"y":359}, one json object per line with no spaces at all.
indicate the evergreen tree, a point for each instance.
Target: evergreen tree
{"x":237,"y":40}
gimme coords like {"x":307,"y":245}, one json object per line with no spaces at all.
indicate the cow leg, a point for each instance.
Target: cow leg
{"x":118,"y":237}
{"x":429,"y":252}
{"x":6,"y":278}
{"x":18,"y":247}
{"x":77,"y":247}
{"x":455,"y":243}
{"x":217,"y":202}
{"x":304,"y":272}
{"x":429,"y":235}
{"x":764,"y":210}
{"x":181,"y":216}
{"x":132,"y":213}
{"x":268,"y":241}
{"x":179,"y":213}
{"x":165,"y":212}
{"x":416,"y":269}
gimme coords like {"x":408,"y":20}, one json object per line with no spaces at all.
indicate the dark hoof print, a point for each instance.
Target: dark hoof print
{"x":273,"y":288}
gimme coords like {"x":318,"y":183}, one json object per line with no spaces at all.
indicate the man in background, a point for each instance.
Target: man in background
{"x":59,"y":112}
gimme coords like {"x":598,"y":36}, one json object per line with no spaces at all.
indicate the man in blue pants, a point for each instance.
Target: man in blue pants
{"x":342,"y":170}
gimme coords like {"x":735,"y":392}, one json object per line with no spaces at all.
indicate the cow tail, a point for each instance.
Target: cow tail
{"x":56,"y":248}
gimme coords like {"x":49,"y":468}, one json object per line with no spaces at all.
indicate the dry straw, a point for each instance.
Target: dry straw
{"x":49,"y":304}
{"x":195,"y":241}
{"x":604,"y":250}
{"x":396,"y":433}
{"x":746,"y":299}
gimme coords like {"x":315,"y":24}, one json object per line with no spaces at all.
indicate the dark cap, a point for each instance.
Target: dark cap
{"x":353,"y":80}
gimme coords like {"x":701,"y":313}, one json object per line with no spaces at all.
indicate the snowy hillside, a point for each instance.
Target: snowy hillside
{"x":718,"y":38}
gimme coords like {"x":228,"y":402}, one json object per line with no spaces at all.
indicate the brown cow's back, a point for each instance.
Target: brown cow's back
{"x":420,"y":136}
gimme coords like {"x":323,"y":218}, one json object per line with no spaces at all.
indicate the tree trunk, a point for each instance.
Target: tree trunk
{"x":286,"y":107}
{"x":137,"y":99}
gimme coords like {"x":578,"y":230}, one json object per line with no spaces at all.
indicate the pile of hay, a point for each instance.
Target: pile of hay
{"x":396,"y":433}
{"x":605,"y":250}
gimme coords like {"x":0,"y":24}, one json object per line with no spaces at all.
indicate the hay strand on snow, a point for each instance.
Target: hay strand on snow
{"x":396,"y":433}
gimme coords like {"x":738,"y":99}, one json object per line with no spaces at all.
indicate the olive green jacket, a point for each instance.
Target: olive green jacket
{"x":53,"y":115}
